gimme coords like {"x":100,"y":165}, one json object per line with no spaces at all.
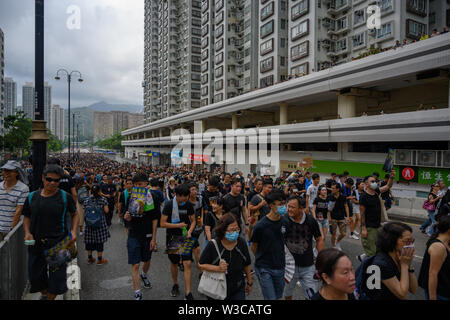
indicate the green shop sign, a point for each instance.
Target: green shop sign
{"x":431,"y":175}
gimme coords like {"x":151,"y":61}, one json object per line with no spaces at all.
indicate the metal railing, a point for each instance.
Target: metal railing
{"x":13,"y":265}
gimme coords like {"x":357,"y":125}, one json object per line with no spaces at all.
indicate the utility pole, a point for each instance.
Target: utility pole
{"x":39,"y":135}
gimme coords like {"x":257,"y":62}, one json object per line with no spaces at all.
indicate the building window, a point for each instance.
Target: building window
{"x":195,"y":95}
{"x":196,"y":32}
{"x":205,"y":42}
{"x":205,"y":54}
{"x":385,"y":31}
{"x":283,"y":24}
{"x":266,"y":65}
{"x":414,"y":29}
{"x":267,"y":29}
{"x":196,"y":14}
{"x":204,"y":78}
{"x":196,"y":22}
{"x":282,"y":61}
{"x":300,"y":30}
{"x":219,"y":31}
{"x":205,"y":6}
{"x":218,"y":72}
{"x":300,"y":70}
{"x":196,"y":40}
{"x":267,"y":81}
{"x":205,"y":30}
{"x":196,"y":4}
{"x":385,"y":5}
{"x":195,"y":68}
{"x":266,"y":47}
{"x":283,"y":5}
{"x":418,"y":7}
{"x":195,"y":76}
{"x":204,"y":91}
{"x":197,"y":50}
{"x":219,"y":5}
{"x":204,"y":102}
{"x":299,"y":9}
{"x":359,"y":40}
{"x":267,"y":11}
{"x":300,"y":51}
{"x":282,"y":42}
{"x":218,"y":85}
{"x":205,"y":18}
{"x":196,"y":59}
{"x":218,"y":97}
{"x":195,"y":86}
{"x":359,"y":17}
{"x":219,"y":17}
{"x":205,"y":67}
{"x":219,"y":45}
{"x":219,"y":58}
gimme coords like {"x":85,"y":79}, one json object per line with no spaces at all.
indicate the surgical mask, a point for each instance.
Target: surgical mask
{"x":374,"y":186}
{"x":232,"y":236}
{"x":282,"y":210}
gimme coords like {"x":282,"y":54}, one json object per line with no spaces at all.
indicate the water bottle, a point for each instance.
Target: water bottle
{"x":185,"y":232}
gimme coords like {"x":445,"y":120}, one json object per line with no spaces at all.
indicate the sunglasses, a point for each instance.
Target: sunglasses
{"x":48,"y":179}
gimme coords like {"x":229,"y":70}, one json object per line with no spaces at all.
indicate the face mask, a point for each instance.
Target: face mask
{"x":232,"y":236}
{"x":282,"y":210}
{"x":374,"y":186}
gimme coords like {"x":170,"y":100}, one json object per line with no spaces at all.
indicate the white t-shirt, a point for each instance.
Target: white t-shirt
{"x":312,"y":193}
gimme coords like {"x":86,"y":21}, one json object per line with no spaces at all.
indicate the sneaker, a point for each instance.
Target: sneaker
{"x":91,"y":261}
{"x":138,"y":296}
{"x":356,"y":232}
{"x":102,"y":262}
{"x":175,"y":291}
{"x":361,"y":257}
{"x":338,"y":246}
{"x":147,"y":283}
{"x":353,"y":236}
{"x":189,"y":296}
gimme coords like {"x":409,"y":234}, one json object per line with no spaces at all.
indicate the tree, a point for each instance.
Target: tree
{"x":54,"y":144}
{"x":18,"y":133}
{"x":113,"y":143}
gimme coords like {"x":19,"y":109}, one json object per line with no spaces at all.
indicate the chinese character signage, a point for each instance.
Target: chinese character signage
{"x":408,"y":174}
{"x":431,"y":175}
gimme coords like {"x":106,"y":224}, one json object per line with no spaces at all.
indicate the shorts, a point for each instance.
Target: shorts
{"x":41,"y":279}
{"x":177,"y":258}
{"x":338,"y":223}
{"x":95,"y":247}
{"x":323,"y":223}
{"x":138,"y":250}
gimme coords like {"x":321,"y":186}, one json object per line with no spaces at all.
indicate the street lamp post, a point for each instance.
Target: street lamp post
{"x":73,"y":135}
{"x":69,"y":80}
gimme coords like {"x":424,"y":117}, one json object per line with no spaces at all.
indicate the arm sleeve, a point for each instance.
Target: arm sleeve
{"x":387,"y":270}
{"x":208,"y":254}
{"x":26,"y":209}
{"x":315,"y":229}
{"x":167,"y":209}
{"x":256,"y":237}
{"x":71,"y":207}
{"x":23,"y":197}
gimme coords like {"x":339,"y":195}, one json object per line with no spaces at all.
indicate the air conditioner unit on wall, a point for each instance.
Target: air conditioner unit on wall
{"x":427,"y":158}
{"x":403,"y":157}
{"x":446,"y":159}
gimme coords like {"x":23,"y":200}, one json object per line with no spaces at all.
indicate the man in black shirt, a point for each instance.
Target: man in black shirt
{"x":142,"y":235}
{"x":258,"y":185}
{"x":212,"y":191}
{"x":299,"y":229}
{"x":330,"y":181}
{"x":178,"y":216}
{"x":234,"y":202}
{"x":108,"y":191}
{"x":370,"y":210}
{"x":45,"y":223}
{"x":338,"y":214}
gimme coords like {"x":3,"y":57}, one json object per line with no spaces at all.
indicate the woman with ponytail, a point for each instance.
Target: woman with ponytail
{"x":434,"y":275}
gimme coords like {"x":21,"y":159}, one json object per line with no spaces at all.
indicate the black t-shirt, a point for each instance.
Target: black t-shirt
{"x":234,"y":204}
{"x":237,"y":259}
{"x":318,"y":297}
{"x":211,"y":220}
{"x":142,"y":227}
{"x":267,"y":234}
{"x":66,"y":183}
{"x":49,"y":215}
{"x":265,"y":209}
{"x":298,"y":238}
{"x":184,"y":212}
{"x":321,"y":208}
{"x":388,"y":269}
{"x":338,"y":212}
{"x":300,"y":186}
{"x":373,"y":209}
{"x":108,"y":189}
{"x":206,"y":196}
{"x":225,"y":188}
{"x":250,"y":195}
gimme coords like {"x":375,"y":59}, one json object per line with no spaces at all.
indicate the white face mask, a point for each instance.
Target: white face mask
{"x":374,"y":186}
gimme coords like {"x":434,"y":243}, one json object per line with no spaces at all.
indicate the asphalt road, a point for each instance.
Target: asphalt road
{"x":113,"y":280}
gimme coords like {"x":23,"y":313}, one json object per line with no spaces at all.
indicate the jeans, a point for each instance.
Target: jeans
{"x":430,"y":221}
{"x":271,"y":281}
{"x":306,"y":277}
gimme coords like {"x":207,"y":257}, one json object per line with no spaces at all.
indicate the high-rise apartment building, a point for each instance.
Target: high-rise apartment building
{"x":56,"y":124}
{"x":28,"y":91}
{"x":172,"y":57}
{"x":10,"y":97}
{"x":107,"y":124}
{"x":230,"y":47}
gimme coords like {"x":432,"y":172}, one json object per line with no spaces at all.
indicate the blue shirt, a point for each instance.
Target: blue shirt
{"x":307,"y":183}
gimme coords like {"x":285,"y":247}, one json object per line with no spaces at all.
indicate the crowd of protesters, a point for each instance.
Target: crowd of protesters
{"x":216,"y":221}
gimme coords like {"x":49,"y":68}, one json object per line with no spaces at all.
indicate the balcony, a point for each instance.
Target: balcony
{"x":336,"y":6}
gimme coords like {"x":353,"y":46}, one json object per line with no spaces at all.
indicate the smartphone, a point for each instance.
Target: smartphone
{"x":295,"y":190}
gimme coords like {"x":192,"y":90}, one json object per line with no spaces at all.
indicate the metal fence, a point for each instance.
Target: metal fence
{"x":13,"y":265}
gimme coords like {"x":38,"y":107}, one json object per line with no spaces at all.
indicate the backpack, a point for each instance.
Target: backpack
{"x":361,"y":279}
{"x":93,"y":214}
{"x":82,"y":195}
{"x":33,"y":216}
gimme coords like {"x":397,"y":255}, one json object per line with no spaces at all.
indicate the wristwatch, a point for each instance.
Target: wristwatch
{"x":247,"y":224}
{"x":411,"y":270}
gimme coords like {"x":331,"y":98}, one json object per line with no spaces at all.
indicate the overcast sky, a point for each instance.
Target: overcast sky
{"x":108,"y":48}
